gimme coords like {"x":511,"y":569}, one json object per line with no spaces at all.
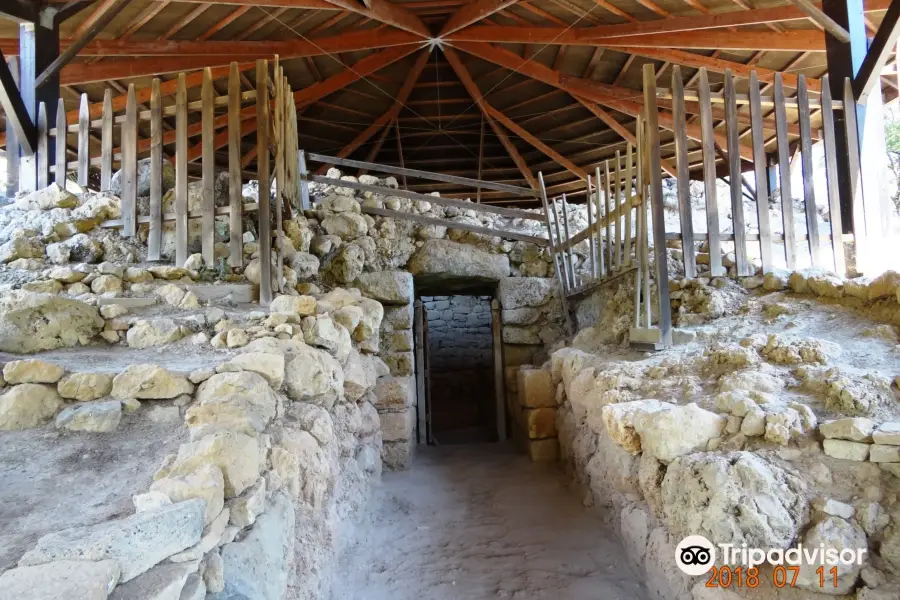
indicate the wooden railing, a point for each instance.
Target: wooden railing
{"x":271,"y":103}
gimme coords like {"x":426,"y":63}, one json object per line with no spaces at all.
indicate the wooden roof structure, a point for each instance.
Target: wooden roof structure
{"x":490,"y":89}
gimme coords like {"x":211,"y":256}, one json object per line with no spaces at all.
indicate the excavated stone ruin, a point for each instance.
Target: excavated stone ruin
{"x":163,"y":436}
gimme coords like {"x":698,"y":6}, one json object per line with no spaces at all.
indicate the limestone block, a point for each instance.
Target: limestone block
{"x":884,"y":286}
{"x":98,"y":417}
{"x":620,"y":418}
{"x":303,"y":306}
{"x":855,"y":429}
{"x":399,"y":317}
{"x":445,"y":259}
{"x":31,"y":322}
{"x":535,"y":388}
{"x":388,"y":287}
{"x":194,"y":588}
{"x":347,"y":226}
{"x":400,"y":341}
{"x":540,"y":423}
{"x":398,"y":426}
{"x":681,"y":430}
{"x":846,"y":450}
{"x":522,"y":335}
{"x":137,"y":543}
{"x":267,"y":364}
{"x":85,"y":386}
{"x":213,"y":573}
{"x":47,"y":286}
{"x":887,"y":433}
{"x":515,"y":355}
{"x":245,"y":509}
{"x":395,"y":392}
{"x":32,"y":371}
{"x":360,"y":374}
{"x":205,"y":482}
{"x":322,"y":332}
{"x":149,"y":382}
{"x":397,"y":456}
{"x":257,"y":566}
{"x":64,"y":579}
{"x":545,"y":450}
{"x":28,"y":405}
{"x":236,"y":338}
{"x":400,"y":363}
{"x":522,"y":292}
{"x":236,"y":454}
{"x":733,"y":498}
{"x":163,"y":582}
{"x":147,"y":333}
{"x":370,"y":323}
{"x":313,"y":375}
{"x":170,"y":293}
{"x":881,"y":453}
{"x":830,"y":506}
{"x":832,"y":533}
{"x":348,"y":316}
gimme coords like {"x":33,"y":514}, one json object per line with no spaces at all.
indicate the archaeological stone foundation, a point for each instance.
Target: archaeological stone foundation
{"x":164,"y":436}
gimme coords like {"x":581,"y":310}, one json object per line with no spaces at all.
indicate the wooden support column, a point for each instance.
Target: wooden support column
{"x":38,"y":48}
{"x":844,"y":60}
{"x":499,"y":379}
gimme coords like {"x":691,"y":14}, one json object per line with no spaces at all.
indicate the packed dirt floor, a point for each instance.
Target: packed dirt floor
{"x":482,"y":522}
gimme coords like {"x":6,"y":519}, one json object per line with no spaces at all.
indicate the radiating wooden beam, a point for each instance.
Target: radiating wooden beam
{"x":237,"y":50}
{"x":472,"y":13}
{"x":387,"y":116}
{"x":818,"y":17}
{"x":791,"y":41}
{"x":463,"y":73}
{"x":384,"y":11}
{"x":718,"y":65}
{"x":877,"y":56}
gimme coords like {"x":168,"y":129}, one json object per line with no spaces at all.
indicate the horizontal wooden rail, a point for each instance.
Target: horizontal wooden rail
{"x":144,"y":219}
{"x":346,"y":162}
{"x":743,"y":99}
{"x":512,"y":235}
{"x":512,"y":213}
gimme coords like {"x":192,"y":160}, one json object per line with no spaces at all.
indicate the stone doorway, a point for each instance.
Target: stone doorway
{"x":461,"y":391}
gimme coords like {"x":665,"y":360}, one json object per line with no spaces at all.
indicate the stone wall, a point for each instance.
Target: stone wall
{"x":284,"y":442}
{"x":396,"y":393}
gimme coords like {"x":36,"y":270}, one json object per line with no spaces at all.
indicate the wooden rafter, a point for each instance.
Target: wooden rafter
{"x":460,"y":69}
{"x":384,"y":11}
{"x":472,"y":13}
{"x":818,"y":17}
{"x":884,"y":42}
{"x":387,"y":116}
{"x":225,"y":22}
{"x":792,"y":41}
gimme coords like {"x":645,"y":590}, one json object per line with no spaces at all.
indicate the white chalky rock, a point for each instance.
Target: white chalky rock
{"x":147,"y":333}
{"x":387,"y":287}
{"x":239,"y":401}
{"x":887,"y":433}
{"x":105,"y":284}
{"x":85,"y":386}
{"x":267,"y":364}
{"x":48,"y":198}
{"x":360,"y":375}
{"x":170,"y":293}
{"x":63,"y":579}
{"x":838,"y":534}
{"x":370,"y":322}
{"x":347,"y":226}
{"x":294,"y":305}
{"x":754,"y":423}
{"x":668,"y":434}
{"x":149,"y":382}
{"x":732,"y":498}
{"x":881,"y":453}
{"x":313,"y":419}
{"x":212,"y":536}
{"x":32,"y":371}
{"x":248,"y":506}
{"x":257,"y":566}
{"x":31,"y":322}
{"x":620,"y":419}
{"x":236,"y":454}
{"x":322,"y":332}
{"x":236,"y":338}
{"x":205,"y":482}
{"x":28,"y":405}
{"x":136,"y":543}
{"x":163,"y":582}
{"x":846,"y":450}
{"x":348,"y":316}
{"x":66,"y":274}
{"x":97,"y":417}
{"x":313,"y":375}
{"x":833,"y":507}
{"x":150,"y":501}
{"x":855,"y":429}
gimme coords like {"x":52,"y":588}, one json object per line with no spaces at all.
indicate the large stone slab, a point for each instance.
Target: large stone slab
{"x":136,"y":543}
{"x":164,"y":582}
{"x":65,"y":579}
{"x":256,"y":568}
{"x":31,"y":322}
{"x":388,"y":287}
{"x":523,"y":292}
{"x":28,"y":405}
{"x":443,"y":259}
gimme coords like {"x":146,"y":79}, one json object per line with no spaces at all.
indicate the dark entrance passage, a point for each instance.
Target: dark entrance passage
{"x":461,"y":370}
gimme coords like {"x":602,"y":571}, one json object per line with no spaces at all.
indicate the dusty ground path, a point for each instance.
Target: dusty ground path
{"x":478,"y":523}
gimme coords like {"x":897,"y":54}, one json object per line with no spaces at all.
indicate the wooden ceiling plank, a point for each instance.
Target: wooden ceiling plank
{"x":384,"y":11}
{"x":185,"y":21}
{"x":225,"y":22}
{"x":491,"y":112}
{"x":268,"y":18}
{"x":153,"y":9}
{"x":387,"y":116}
{"x":472,"y":13}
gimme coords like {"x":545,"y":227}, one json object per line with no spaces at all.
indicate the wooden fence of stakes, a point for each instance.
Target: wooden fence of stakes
{"x":270,"y":103}
{"x":619,"y":231}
